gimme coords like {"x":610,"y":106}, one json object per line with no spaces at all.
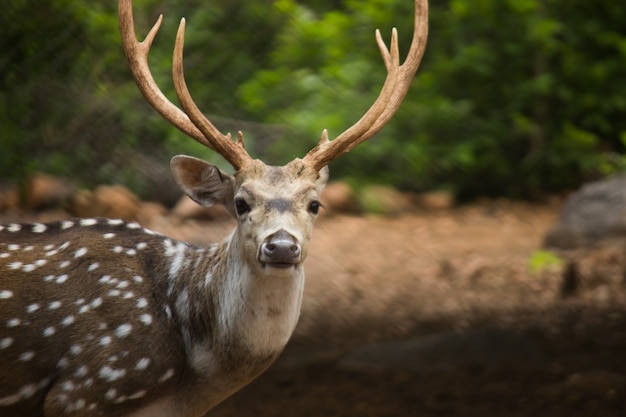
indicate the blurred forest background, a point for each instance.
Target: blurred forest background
{"x":514,"y":98}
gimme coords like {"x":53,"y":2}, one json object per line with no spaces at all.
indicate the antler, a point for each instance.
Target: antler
{"x":192,"y":122}
{"x":394,"y":90}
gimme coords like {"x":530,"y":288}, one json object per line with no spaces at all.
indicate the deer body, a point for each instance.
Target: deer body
{"x":104,"y":317}
{"x":99,"y":314}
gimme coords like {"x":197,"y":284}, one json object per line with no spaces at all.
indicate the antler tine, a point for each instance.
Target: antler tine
{"x":137,"y":55}
{"x":233,"y":152}
{"x":394,"y":90}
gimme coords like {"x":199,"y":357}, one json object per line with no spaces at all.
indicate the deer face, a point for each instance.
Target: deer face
{"x":275,"y":207}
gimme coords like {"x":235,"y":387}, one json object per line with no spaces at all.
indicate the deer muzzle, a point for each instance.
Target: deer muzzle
{"x":280,"y":250}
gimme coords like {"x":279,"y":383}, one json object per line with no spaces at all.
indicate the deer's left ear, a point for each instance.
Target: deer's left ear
{"x":204,"y":183}
{"x":322,"y":179}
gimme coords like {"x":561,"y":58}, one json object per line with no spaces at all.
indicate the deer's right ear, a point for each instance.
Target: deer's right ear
{"x":204,"y":183}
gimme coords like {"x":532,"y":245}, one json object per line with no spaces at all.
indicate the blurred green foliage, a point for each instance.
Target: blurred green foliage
{"x":544,"y":261}
{"x":514,"y":98}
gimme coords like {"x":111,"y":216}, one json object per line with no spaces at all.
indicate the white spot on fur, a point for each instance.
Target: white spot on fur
{"x":24,"y":392}
{"x":115,"y":222}
{"x":137,"y":395}
{"x":14,"y":227}
{"x":146,"y":319}
{"x":13,"y":322}
{"x":5,"y":294}
{"x":88,"y":222}
{"x":49,"y":331}
{"x":68,"y":386}
{"x":32,"y":308}
{"x":6,"y":342}
{"x":142,"y":303}
{"x":61,"y":279}
{"x":26,"y":356}
{"x":167,"y":375}
{"x":108,"y":235}
{"x":93,"y":266}
{"x":123,"y":330}
{"x":13,"y":247}
{"x":15,"y":265}
{"x":110,"y":394}
{"x":64,"y":264}
{"x":105,"y":340}
{"x":141,"y":245}
{"x":76,"y":350}
{"x":54,"y":305}
{"x":110,"y":374}
{"x":66,"y":224}
{"x":39,"y":228}
{"x":97,"y":302}
{"x":142,"y":364}
{"x":133,"y":225}
{"x":81,"y":372}
{"x":68,"y":320}
{"x":80,"y":252}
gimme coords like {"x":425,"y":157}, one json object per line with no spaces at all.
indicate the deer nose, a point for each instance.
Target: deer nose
{"x":280,"y":250}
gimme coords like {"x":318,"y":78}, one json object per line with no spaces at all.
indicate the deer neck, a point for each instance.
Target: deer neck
{"x":265,"y":313}
{"x":230,"y":306}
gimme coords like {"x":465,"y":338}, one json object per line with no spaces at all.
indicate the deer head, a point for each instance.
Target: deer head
{"x":275,"y":206}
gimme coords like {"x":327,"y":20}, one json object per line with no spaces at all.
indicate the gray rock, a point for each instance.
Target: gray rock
{"x":595,"y":213}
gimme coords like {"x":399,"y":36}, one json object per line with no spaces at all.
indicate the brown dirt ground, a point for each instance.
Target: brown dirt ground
{"x":456,"y":272}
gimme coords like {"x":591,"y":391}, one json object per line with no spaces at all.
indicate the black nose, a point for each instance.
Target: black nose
{"x":280,"y":249}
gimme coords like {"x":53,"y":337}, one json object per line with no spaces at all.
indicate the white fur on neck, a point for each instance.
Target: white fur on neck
{"x":258,"y":305}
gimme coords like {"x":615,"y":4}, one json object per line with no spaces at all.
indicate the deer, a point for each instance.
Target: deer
{"x":104,"y":317}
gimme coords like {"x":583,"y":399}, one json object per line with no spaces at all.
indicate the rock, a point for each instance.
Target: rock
{"x":595,"y":213}
{"x":9,"y":197}
{"x":46,"y":191}
{"x":338,"y":197}
{"x":436,"y":200}
{"x":110,"y":201}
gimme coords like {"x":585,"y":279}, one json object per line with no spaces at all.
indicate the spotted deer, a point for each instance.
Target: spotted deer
{"x":105,"y":317}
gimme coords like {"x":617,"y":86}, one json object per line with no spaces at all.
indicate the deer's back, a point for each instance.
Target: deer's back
{"x":84,"y":326}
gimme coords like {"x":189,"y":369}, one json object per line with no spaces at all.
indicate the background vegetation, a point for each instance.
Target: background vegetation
{"x":515,"y":98}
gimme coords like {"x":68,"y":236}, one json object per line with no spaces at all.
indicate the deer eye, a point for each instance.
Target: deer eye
{"x":314,"y":207}
{"x":241,"y":207}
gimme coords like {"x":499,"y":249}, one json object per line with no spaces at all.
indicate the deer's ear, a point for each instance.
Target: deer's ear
{"x":322,"y":179}
{"x":204,"y":183}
